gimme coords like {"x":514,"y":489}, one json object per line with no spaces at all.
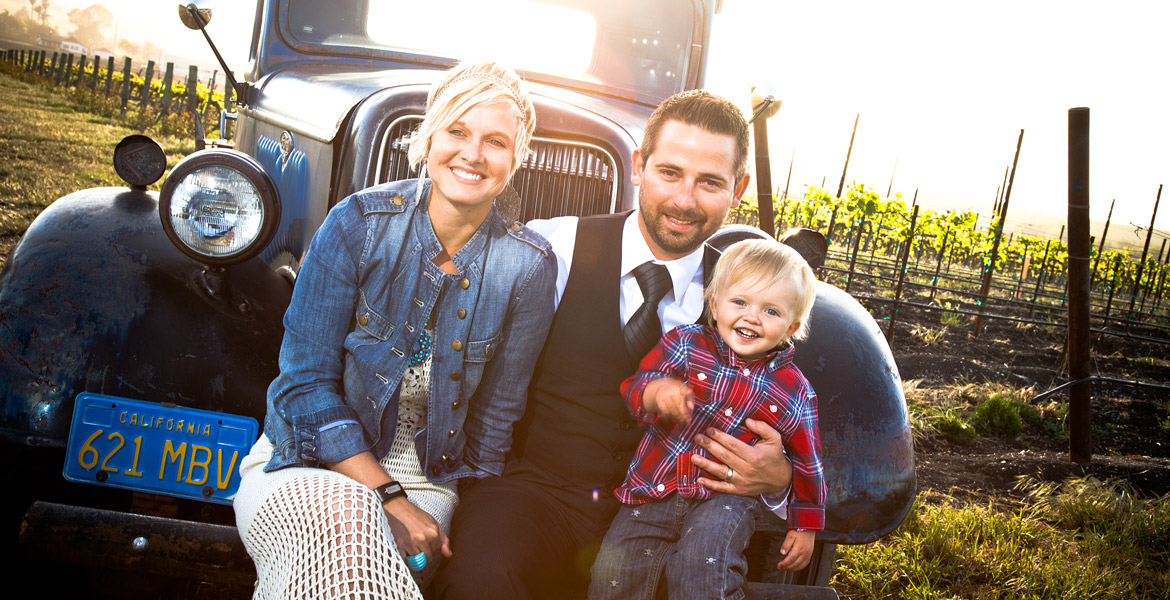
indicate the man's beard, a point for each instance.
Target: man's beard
{"x":672,"y":241}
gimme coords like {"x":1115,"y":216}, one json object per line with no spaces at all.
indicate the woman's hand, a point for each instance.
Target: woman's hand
{"x":758,"y":469}
{"x":415,"y":530}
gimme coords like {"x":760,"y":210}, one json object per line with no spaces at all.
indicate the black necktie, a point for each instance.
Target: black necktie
{"x":644,"y":329}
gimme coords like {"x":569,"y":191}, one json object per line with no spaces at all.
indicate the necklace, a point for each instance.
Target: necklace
{"x":421,"y":350}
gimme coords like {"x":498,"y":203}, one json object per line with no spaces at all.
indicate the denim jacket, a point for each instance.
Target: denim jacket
{"x":361,"y":300}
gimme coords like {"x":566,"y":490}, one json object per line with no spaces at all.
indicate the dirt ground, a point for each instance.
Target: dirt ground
{"x":1130,"y":439}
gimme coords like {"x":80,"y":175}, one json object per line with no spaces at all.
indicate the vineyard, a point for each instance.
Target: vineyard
{"x":937,"y":262}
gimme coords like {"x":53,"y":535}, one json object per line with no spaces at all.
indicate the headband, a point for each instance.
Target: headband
{"x":511,"y":91}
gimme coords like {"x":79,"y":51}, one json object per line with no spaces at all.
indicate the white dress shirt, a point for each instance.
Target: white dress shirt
{"x":682,"y":304}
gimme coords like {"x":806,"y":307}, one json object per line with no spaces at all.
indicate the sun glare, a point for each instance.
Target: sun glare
{"x":526,"y":35}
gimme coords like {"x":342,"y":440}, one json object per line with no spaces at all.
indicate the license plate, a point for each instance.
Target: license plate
{"x":148,"y":447}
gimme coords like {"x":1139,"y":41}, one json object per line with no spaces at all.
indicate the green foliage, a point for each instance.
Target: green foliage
{"x":1082,"y":539}
{"x":955,"y":430}
{"x":998,"y":417}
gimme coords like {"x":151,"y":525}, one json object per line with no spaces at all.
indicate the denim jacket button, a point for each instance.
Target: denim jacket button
{"x":455,"y":376}
{"x":516,"y":226}
{"x":451,"y":433}
{"x":464,"y":283}
{"x":363,"y":320}
{"x":456,"y":404}
{"x":457,"y":345}
{"x":461,"y":313}
{"x":435,"y":471}
{"x":488,"y":352}
{"x":397,"y":201}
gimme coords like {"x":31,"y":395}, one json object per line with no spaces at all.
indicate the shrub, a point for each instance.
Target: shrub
{"x":955,"y":430}
{"x":998,"y":417}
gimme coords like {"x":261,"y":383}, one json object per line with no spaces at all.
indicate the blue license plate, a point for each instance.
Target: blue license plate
{"x":148,"y":447}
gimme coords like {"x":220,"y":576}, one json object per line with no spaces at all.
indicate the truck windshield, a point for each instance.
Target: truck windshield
{"x":638,"y":46}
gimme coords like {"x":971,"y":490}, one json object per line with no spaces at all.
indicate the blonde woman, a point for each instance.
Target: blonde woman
{"x":415,"y":322}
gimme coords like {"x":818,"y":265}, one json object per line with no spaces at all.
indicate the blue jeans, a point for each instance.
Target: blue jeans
{"x":699,"y":544}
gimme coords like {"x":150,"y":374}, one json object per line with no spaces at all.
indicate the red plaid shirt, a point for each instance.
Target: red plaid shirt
{"x":727,"y":391}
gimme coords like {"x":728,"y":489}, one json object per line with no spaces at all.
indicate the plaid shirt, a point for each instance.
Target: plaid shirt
{"x":727,"y":391}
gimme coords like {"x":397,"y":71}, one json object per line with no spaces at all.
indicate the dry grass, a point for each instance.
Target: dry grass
{"x":49,"y":148}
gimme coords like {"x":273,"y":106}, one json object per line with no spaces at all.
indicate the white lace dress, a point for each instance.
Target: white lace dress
{"x":315,"y":533}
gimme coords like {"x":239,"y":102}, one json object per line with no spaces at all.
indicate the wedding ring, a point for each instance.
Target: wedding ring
{"x":417,"y":562}
{"x":730,"y":474}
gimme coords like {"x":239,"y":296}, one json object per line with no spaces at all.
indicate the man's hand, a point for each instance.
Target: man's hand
{"x":797,"y":550}
{"x":670,"y":398}
{"x":758,"y":469}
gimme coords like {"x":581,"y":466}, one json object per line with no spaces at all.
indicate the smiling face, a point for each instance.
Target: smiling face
{"x":685,"y":188}
{"x":470,"y":161}
{"x":755,"y":318}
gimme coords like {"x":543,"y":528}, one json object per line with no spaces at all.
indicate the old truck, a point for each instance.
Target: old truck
{"x":139,"y":330}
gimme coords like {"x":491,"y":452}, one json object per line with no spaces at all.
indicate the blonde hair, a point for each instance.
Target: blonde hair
{"x":765,"y":263}
{"x":466,"y":86}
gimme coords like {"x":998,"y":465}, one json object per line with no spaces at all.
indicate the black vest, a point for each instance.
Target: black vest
{"x":577,"y":427}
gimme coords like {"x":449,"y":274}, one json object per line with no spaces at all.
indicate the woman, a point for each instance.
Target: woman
{"x":414,"y":326}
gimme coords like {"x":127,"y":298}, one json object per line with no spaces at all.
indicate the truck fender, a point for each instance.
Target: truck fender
{"x":95,"y":298}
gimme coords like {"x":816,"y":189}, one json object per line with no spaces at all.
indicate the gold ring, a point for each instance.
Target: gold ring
{"x":730,"y":474}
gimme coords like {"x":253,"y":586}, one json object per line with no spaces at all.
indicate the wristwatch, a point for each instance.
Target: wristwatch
{"x":389,"y":491}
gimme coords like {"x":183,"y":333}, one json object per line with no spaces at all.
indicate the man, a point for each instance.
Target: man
{"x":534,"y":532}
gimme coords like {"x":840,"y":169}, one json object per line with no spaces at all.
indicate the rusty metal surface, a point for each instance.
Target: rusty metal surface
{"x":116,"y":540}
{"x":94,"y":298}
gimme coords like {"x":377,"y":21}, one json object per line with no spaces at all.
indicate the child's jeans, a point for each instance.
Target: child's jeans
{"x":699,"y":545}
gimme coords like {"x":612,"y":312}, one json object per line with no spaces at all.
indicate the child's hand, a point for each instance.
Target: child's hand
{"x":797,"y":550}
{"x":669,"y":398}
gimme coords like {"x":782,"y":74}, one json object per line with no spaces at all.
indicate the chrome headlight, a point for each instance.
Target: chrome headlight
{"x":219,"y":207}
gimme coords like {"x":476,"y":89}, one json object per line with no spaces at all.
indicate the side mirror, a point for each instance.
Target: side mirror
{"x":193,"y":17}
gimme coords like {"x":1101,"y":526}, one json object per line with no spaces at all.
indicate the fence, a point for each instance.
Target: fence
{"x":142,"y":92}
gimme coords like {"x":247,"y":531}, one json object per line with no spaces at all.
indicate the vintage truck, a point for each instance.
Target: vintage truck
{"x":139,"y":330}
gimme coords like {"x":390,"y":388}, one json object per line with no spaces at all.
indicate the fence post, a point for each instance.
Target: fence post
{"x":989,"y":265}
{"x":168,"y":77}
{"x":1080,"y":449}
{"x":901,"y":276}
{"x":93,"y":77}
{"x":938,"y":267}
{"x":126,"y":81}
{"x":109,"y":74}
{"x":146,"y":95}
{"x":1040,"y":278}
{"x":1137,"y":279}
{"x":853,"y":258}
{"x":193,"y":91}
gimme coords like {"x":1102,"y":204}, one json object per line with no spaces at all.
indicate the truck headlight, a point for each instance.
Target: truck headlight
{"x":219,"y":207}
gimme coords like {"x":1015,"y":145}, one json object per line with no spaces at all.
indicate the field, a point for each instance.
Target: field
{"x":1001,"y":512}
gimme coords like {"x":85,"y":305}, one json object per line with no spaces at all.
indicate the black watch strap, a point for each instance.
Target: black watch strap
{"x":389,"y":491}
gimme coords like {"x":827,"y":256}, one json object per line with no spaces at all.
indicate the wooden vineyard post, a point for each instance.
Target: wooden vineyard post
{"x":1101,"y":244}
{"x":763,"y":177}
{"x":853,"y":258}
{"x":126,"y":87}
{"x":901,"y":276}
{"x":841,"y":186}
{"x":989,"y":264}
{"x":1080,"y":448}
{"x":109,"y":74}
{"x":145,"y":96}
{"x":168,"y":79}
{"x":1137,"y":278}
{"x":1040,"y":278}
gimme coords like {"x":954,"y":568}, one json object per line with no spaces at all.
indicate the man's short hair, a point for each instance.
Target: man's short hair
{"x":765,"y":263}
{"x":704,"y":110}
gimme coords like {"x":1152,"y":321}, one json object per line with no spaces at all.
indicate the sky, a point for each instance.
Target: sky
{"x":942,"y":89}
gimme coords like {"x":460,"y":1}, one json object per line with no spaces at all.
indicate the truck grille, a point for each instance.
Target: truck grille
{"x":559,"y":177}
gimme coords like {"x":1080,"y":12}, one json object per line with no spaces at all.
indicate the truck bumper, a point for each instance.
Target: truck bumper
{"x":156,"y":545}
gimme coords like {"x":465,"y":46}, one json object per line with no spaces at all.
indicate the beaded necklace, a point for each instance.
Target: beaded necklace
{"x":421,"y":350}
